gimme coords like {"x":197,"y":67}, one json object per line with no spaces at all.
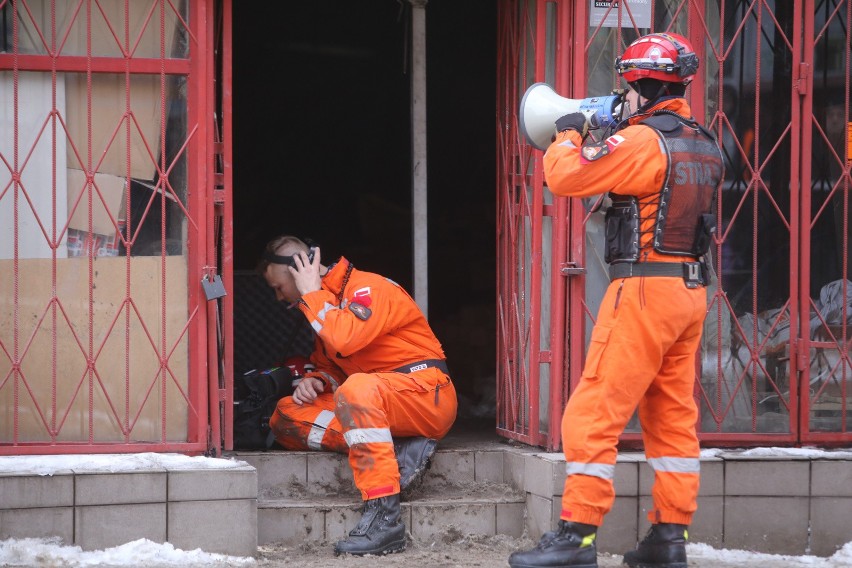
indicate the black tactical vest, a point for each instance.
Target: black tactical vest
{"x":686,"y":217}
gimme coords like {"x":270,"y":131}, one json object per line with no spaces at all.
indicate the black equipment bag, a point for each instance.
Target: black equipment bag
{"x":256,"y":394}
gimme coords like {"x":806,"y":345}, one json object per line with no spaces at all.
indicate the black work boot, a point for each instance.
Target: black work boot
{"x":571,"y":545}
{"x":663,"y":547}
{"x":414,"y":457}
{"x":380,"y":530}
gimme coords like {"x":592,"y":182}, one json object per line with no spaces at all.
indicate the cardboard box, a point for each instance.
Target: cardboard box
{"x":82,"y":243}
{"x":108,"y":123}
{"x":108,"y":202}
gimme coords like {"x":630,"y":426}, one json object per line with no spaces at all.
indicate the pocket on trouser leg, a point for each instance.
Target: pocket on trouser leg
{"x":422,"y":405}
{"x":401,"y":382}
{"x":597,"y":346}
{"x":581,"y":419}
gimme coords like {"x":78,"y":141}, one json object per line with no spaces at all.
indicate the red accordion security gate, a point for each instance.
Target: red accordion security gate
{"x":774,"y":86}
{"x":107,"y":205}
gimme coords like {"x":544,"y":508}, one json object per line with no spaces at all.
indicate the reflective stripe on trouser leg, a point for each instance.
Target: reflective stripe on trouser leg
{"x":374,"y":407}
{"x":319,"y":428}
{"x":310,"y":426}
{"x":602,"y":470}
{"x":634,"y":329}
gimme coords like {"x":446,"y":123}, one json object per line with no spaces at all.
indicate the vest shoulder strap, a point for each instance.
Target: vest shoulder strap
{"x":668,"y":122}
{"x":664,"y":122}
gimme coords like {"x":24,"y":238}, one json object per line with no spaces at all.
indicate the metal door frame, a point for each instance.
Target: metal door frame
{"x":526,"y":31}
{"x":198,"y":70}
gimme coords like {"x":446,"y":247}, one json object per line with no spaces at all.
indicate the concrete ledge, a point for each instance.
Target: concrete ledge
{"x":775,"y":504}
{"x":772,"y":504}
{"x":96,"y":507}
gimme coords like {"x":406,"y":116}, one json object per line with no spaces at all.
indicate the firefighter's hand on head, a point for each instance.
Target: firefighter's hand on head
{"x":307,"y":390}
{"x":306,"y":273}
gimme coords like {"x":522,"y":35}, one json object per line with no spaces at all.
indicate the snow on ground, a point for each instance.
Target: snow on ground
{"x":51,"y":553}
{"x":842,"y":557}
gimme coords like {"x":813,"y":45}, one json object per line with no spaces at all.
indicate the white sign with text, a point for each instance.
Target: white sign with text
{"x":604,"y":13}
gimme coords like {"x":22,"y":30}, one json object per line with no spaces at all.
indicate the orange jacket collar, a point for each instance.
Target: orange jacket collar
{"x":333,"y":279}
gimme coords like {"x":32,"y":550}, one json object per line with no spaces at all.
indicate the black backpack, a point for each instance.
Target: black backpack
{"x":256,"y":394}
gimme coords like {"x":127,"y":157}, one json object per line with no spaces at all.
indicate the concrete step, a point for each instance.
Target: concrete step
{"x":295,"y":474}
{"x":311,"y":496}
{"x":486,"y":511}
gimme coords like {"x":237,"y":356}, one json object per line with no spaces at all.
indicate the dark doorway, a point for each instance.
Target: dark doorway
{"x":322,"y":149}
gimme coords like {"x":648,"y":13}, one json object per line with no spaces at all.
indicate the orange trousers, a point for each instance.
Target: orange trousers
{"x":642,"y":354}
{"x":361,"y":418}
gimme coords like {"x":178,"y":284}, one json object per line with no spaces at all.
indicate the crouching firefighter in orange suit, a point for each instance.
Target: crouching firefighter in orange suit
{"x":662,"y":171}
{"x":381,"y":391}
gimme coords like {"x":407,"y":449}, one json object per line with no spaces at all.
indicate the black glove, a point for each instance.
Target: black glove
{"x":574,"y":121}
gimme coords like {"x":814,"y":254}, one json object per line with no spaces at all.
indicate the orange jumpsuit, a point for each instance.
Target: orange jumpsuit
{"x":366,"y":327}
{"x":643,"y":346}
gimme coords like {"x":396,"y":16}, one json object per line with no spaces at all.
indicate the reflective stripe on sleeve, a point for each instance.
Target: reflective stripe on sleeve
{"x":675,"y":465}
{"x":325,"y":309}
{"x":318,"y":429}
{"x":316,"y":325}
{"x":330,"y":380}
{"x":602,"y":470}
{"x":367,"y":436}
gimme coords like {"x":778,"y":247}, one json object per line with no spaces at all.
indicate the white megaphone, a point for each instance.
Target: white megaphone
{"x":541,"y":106}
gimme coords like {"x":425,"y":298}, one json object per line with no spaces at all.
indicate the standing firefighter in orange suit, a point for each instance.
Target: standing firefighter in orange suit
{"x":381,"y":391}
{"x":662,"y":172}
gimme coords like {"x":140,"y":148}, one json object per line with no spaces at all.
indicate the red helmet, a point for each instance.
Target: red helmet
{"x":662,"y":56}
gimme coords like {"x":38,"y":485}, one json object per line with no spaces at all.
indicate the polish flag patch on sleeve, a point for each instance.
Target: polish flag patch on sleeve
{"x":362,"y":296}
{"x":614,"y":141}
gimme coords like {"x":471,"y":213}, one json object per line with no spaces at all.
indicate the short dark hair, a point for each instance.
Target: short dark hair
{"x":275,"y":244}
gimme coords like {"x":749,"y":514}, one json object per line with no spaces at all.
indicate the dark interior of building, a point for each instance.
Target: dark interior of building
{"x":322,"y":150}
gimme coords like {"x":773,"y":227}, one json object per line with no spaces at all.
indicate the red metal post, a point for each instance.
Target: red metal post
{"x":559,"y":282}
